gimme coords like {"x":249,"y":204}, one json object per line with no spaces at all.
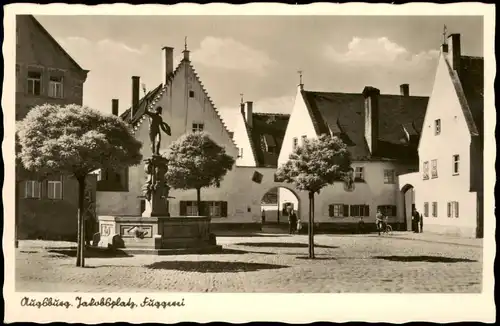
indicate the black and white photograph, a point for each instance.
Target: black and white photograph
{"x":165,"y":159}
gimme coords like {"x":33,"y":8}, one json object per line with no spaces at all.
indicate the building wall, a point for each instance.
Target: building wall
{"x":454,"y":139}
{"x":242,"y":139}
{"x":180,"y":111}
{"x":36,"y":51}
{"x":300,"y":124}
{"x":54,"y":219}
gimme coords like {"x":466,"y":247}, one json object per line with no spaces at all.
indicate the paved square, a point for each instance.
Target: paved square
{"x":267,"y":263}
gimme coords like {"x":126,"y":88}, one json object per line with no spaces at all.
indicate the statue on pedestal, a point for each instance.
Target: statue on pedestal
{"x":155,"y":190}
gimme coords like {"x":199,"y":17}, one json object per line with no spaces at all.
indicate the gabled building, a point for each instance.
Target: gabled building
{"x":186,"y":107}
{"x":45,"y":73}
{"x":448,"y":188}
{"x":381,"y":132}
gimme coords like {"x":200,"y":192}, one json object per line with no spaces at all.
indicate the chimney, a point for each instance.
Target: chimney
{"x":454,"y":50}
{"x":168,"y":64}
{"x":135,"y":94}
{"x":371,"y":95}
{"x":114,"y":106}
{"x":249,"y":113}
{"x":404,"y":89}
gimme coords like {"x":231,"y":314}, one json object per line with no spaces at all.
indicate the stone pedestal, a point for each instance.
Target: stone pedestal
{"x":155,"y":189}
{"x":157,"y":235}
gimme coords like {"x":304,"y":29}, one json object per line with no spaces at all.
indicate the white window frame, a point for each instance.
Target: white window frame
{"x":426,"y":170}
{"x":455,"y":164}
{"x":198,"y":126}
{"x":51,"y":189}
{"x":214,"y":209}
{"x":389,"y":176}
{"x":191,"y":208}
{"x":437,"y":126}
{"x":56,"y":88}
{"x":31,"y":83}
{"x":453,"y":209}
{"x":434,"y":169}
{"x":32,"y":194}
{"x":338,"y":210}
{"x":359,"y":173}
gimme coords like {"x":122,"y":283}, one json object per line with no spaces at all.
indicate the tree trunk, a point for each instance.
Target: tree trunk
{"x":198,"y":200}
{"x":310,"y":227}
{"x":80,"y":247}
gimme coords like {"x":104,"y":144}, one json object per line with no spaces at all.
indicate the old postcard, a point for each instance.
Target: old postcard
{"x":261,"y":162}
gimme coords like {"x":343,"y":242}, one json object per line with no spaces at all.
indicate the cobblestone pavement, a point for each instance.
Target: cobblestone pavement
{"x":264,"y":264}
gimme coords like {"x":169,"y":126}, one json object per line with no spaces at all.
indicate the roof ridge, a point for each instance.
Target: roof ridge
{"x":270,"y":113}
{"x":45,"y":31}
{"x":212,"y":103}
{"x":360,"y":94}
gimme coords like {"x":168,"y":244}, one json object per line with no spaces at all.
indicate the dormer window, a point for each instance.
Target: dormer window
{"x":437,"y":126}
{"x":269,"y":143}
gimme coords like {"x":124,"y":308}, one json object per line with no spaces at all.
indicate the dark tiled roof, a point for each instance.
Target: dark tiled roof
{"x":143,"y":104}
{"x":267,"y":128}
{"x":343,"y":114}
{"x":471,"y":76}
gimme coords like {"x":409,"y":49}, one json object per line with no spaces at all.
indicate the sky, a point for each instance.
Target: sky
{"x":260,"y":56}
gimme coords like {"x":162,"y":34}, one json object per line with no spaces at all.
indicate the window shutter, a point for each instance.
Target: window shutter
{"x":394,"y":210}
{"x":367,"y":210}
{"x":223,"y":208}
{"x":330,"y":210}
{"x":456,"y":209}
{"x":182,"y":210}
{"x":449,"y":209}
{"x":346,"y":210}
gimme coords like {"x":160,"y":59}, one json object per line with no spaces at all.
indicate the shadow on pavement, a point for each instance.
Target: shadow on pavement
{"x":212,"y":266}
{"x":281,"y":245}
{"x":227,"y":251}
{"x":89,"y":253}
{"x":248,"y":235}
{"x":315,"y":258}
{"x":428,"y":259}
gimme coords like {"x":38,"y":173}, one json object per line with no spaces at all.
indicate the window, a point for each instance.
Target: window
{"x":453,"y":209}
{"x":32,"y":189}
{"x":426,"y":209}
{"x":191,"y":93}
{"x":359,"y":210}
{"x":434,"y":171}
{"x":304,"y":138}
{"x":434,"y":209}
{"x":338,"y":210}
{"x":295,"y":142}
{"x":426,"y":170}
{"x":210,"y":208}
{"x":389,"y":176}
{"x":359,"y":174}
{"x":388,"y":210}
{"x":456,"y":164}
{"x":54,"y":189}
{"x":198,"y":127}
{"x":34,"y":82}
{"x":56,"y":87}
{"x":111,"y":180}
{"x":437,"y":126}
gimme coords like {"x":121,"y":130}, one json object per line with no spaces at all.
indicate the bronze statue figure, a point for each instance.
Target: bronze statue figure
{"x":156,"y":125}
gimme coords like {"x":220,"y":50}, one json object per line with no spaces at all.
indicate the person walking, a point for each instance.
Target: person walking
{"x":292,"y":221}
{"x":416,"y":220}
{"x":421,"y":223}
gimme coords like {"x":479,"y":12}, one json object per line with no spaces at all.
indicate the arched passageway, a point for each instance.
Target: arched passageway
{"x":409,"y":203}
{"x":274,"y":203}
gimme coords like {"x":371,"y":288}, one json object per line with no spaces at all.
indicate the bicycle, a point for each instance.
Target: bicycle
{"x":386,"y":229}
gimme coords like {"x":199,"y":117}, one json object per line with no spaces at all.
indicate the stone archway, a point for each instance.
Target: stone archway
{"x":408,"y":192}
{"x":274,"y":203}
